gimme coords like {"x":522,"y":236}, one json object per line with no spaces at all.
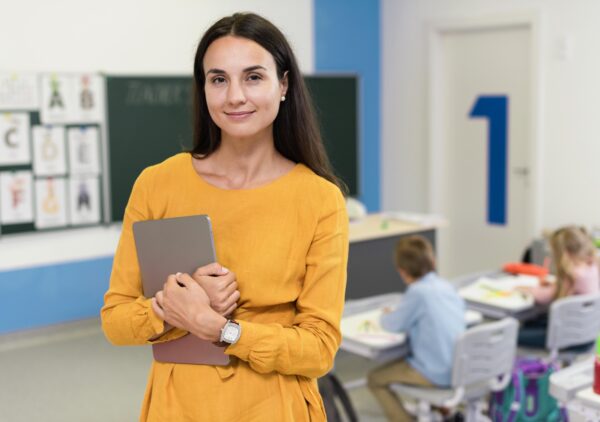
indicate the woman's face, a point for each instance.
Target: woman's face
{"x":242,"y":90}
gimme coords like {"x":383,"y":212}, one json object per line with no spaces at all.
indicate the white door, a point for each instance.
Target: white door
{"x":483,"y":91}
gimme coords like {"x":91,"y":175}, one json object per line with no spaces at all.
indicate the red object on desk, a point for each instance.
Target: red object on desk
{"x":597,"y":375}
{"x":523,"y":268}
{"x":597,"y":368}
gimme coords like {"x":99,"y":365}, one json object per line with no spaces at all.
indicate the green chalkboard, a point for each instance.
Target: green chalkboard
{"x":149,"y":119}
{"x":336,"y":103}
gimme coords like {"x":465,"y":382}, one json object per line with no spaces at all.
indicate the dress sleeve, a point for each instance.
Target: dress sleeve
{"x":308,"y":347}
{"x":127,"y":316}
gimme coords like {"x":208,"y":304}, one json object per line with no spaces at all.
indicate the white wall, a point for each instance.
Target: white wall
{"x":118,"y":37}
{"x":131,"y":36}
{"x":569,"y":125}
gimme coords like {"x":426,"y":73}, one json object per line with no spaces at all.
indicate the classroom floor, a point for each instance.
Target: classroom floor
{"x":70,"y":373}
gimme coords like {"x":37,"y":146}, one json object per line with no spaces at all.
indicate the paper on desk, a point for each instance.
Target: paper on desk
{"x":364,"y":328}
{"x":500,"y":292}
{"x":411,"y":217}
{"x":512,"y":281}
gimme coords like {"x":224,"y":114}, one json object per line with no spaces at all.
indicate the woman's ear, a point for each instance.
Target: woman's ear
{"x":283,"y":83}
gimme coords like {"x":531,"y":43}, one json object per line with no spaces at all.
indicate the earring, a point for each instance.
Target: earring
{"x":282,"y":98}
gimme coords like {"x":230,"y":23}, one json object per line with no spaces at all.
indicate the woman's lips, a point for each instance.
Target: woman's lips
{"x":238,"y":115}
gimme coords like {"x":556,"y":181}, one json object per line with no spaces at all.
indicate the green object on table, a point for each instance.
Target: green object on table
{"x":384,"y":224}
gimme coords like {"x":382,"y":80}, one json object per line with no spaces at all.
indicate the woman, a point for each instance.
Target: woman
{"x":259,"y":170}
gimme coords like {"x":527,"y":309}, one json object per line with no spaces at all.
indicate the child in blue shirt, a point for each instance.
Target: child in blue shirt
{"x":431,"y":313}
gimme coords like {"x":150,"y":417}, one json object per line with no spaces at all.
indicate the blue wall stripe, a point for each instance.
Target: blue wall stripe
{"x":347,"y":39}
{"x":52,"y":294}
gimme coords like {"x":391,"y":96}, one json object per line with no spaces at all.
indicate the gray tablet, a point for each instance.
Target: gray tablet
{"x":172,"y":245}
{"x":168,"y":246}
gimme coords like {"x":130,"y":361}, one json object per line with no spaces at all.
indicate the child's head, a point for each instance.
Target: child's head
{"x":571,"y":245}
{"x":414,"y":257}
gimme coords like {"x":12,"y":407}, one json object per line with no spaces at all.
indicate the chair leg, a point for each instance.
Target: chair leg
{"x":424,"y":412}
{"x":473,"y":412}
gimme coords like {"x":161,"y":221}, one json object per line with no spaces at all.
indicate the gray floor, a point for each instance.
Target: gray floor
{"x":70,"y":373}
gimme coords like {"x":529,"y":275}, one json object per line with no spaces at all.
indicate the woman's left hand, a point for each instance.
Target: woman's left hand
{"x":184,"y":304}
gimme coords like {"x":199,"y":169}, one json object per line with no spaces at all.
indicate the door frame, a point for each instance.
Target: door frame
{"x":436,"y":30}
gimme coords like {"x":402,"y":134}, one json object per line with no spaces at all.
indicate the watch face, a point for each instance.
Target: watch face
{"x":230,"y":333}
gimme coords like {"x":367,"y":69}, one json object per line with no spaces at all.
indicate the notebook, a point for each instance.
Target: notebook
{"x":168,"y":246}
{"x":500,"y":292}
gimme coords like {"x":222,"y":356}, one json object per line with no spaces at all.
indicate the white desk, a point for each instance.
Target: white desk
{"x":491,"y":311}
{"x":396,"y":347}
{"x":567,"y":382}
{"x":381,"y":225}
{"x":573,"y":387}
{"x":590,"y":399}
{"x":380,"y":354}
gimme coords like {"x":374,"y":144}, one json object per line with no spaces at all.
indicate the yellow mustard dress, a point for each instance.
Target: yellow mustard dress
{"x":287,"y":242}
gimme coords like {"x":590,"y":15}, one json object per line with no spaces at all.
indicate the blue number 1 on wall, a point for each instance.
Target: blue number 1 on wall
{"x":495,"y":109}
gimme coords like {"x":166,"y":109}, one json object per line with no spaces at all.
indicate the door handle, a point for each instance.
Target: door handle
{"x":521,"y":171}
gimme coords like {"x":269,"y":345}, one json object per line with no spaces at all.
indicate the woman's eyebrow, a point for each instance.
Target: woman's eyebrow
{"x":217,"y":71}
{"x":247,"y":69}
{"x":255,"y":67}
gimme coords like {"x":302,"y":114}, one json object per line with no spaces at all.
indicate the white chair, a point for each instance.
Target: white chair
{"x":572,"y":321}
{"x":483,"y":361}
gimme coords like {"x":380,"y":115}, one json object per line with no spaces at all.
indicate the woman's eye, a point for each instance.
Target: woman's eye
{"x":254,"y":77}
{"x":218,"y":80}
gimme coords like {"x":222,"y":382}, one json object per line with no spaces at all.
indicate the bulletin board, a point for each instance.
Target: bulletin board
{"x":51,"y":153}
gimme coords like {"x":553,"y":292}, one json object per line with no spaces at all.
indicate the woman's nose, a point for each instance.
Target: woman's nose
{"x":235,"y":94}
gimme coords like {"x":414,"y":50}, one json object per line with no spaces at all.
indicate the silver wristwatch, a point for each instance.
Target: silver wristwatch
{"x":230,"y":333}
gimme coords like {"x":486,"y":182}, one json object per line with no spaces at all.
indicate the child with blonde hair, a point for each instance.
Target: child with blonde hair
{"x":575,"y":264}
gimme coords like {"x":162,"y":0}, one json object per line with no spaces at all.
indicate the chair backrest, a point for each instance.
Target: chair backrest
{"x":484,"y":352}
{"x":573,"y":320}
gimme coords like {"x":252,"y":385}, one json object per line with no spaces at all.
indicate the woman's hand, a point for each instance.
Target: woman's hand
{"x":184,"y":304}
{"x":220,"y":286}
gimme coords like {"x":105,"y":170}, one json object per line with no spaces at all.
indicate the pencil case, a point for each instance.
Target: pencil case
{"x":524,"y":268}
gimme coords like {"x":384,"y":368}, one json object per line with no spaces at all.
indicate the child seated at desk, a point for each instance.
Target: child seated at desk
{"x":576,"y":269}
{"x":431,"y":313}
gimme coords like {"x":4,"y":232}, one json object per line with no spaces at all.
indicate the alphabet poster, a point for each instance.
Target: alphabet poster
{"x":18,"y":91}
{"x":72,"y":99}
{"x":89,"y":91}
{"x":58,"y":99}
{"x":84,"y":200}
{"x":49,"y":152}
{"x":84,"y":150}
{"x":14,"y":139}
{"x":50,"y":202}
{"x":16,"y":197}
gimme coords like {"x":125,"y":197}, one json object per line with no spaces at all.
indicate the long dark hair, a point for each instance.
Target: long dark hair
{"x":295,"y":129}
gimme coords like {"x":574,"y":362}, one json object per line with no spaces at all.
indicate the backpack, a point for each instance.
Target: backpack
{"x":526,"y":398}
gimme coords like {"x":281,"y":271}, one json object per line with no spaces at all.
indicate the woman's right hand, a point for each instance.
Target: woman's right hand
{"x":220,"y":285}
